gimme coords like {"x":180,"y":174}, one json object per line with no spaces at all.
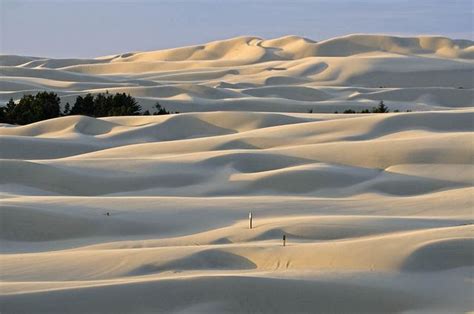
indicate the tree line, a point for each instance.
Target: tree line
{"x":381,"y":108}
{"x":47,"y":105}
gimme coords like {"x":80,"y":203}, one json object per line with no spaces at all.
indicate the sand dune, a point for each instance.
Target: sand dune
{"x":373,"y":197}
{"x":288,"y":74}
{"x":377,"y":208}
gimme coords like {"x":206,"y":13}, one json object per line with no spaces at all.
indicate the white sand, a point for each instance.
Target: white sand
{"x":377,"y":208}
{"x":289,"y":74}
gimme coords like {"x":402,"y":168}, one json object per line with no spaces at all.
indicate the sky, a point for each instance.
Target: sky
{"x":86,"y":28}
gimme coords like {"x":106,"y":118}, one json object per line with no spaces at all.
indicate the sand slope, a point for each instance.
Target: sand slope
{"x":377,"y":208}
{"x":374,"y":206}
{"x":288,"y":74}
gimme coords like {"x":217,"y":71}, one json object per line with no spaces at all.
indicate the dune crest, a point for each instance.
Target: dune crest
{"x":287,"y":74}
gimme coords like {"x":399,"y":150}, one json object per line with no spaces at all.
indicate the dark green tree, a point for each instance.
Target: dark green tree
{"x":42,"y":106}
{"x":46,"y":105}
{"x":123,"y":105}
{"x":10,"y":105}
{"x":6,"y":112}
{"x":3,"y":115}
{"x":102,"y":104}
{"x":381,"y":108}
{"x":83,"y":106}
{"x":50,"y":104}
{"x":160,"y":110}
{"x":67,"y":109}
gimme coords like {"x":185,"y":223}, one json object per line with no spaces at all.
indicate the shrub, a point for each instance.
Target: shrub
{"x":381,"y":108}
{"x":160,"y":110}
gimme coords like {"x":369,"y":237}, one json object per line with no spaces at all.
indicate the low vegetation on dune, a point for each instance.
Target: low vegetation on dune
{"x":47,"y":105}
{"x":381,"y":108}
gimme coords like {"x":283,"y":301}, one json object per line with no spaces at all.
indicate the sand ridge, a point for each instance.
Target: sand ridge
{"x":288,"y":74}
{"x":372,"y":195}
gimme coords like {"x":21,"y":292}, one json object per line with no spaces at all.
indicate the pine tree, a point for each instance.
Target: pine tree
{"x":160,"y":110}
{"x":67,"y":109}
{"x":381,"y":108}
{"x":83,"y":106}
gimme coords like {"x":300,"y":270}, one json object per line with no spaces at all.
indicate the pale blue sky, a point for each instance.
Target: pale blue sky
{"x":85,"y":28}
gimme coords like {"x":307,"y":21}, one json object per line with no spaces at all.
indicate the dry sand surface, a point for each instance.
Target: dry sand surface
{"x":377,"y":208}
{"x":288,"y":74}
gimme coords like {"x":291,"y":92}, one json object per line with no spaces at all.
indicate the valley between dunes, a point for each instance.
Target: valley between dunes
{"x":377,"y":208}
